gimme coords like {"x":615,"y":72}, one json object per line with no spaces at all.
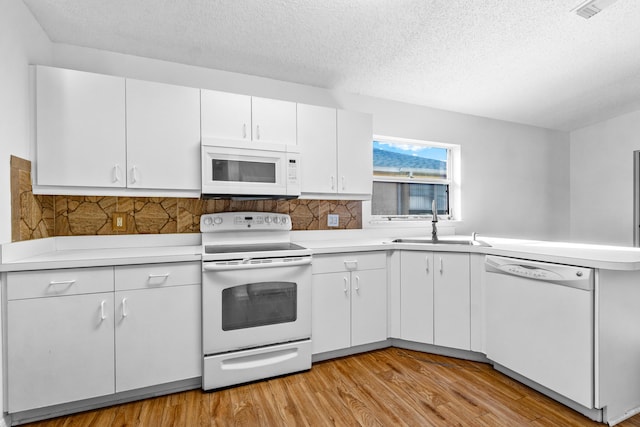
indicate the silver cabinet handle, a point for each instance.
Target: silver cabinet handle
{"x":116,"y":173}
{"x":124,"y":307}
{"x":244,"y":131}
{"x":158,"y":276}
{"x":358,"y":284}
{"x":426,"y":258}
{"x":346,"y":287}
{"x":257,"y":131}
{"x":103,"y":313}
{"x":62,"y":282}
{"x":440,"y":265}
{"x":134,"y":174}
{"x":343,"y":187}
{"x":351,"y":264}
{"x":333,"y":182}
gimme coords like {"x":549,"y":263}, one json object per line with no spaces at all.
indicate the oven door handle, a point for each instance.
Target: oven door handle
{"x":226,"y":267}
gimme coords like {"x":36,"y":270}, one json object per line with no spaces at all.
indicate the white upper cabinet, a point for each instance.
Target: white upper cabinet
{"x":273,"y":120}
{"x":317,"y":141}
{"x":225,"y":115}
{"x":336,"y":153}
{"x":242,"y":117}
{"x":163,"y":136}
{"x":80,"y":128}
{"x":108,"y":135}
{"x":355,"y":153}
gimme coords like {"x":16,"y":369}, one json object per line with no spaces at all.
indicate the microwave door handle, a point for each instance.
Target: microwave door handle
{"x":227,"y":267}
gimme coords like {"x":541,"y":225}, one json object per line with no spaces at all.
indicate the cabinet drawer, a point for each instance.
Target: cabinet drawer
{"x":349,"y":262}
{"x":158,"y":275}
{"x":48,"y":283}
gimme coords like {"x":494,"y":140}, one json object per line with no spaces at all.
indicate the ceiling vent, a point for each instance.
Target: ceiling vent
{"x":591,"y":7}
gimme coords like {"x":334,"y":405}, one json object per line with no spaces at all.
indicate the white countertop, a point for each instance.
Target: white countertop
{"x":94,"y":251}
{"x":580,"y":254}
{"x":584,"y":255}
{"x":90,"y":251}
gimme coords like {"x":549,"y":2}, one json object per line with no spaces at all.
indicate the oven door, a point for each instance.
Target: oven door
{"x":248,"y":305}
{"x":249,"y":171}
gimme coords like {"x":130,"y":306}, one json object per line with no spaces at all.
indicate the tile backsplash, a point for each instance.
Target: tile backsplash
{"x":38,"y":216}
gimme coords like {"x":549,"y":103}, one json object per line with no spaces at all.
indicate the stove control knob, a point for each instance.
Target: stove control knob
{"x":217,"y":220}
{"x":276,"y":220}
{"x":284,"y":220}
{"x":267,"y":219}
{"x":208,"y":220}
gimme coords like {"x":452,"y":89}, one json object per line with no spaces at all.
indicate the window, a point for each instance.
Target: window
{"x":408,"y":175}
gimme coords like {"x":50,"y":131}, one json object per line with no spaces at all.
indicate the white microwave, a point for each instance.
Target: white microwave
{"x":250,"y":170}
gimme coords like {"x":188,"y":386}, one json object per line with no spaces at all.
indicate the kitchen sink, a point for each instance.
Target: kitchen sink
{"x":464,"y":242}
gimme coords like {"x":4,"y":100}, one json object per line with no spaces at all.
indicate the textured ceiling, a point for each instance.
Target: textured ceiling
{"x":526,"y":61}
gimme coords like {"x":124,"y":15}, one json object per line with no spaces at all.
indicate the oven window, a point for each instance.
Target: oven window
{"x":243,"y":171}
{"x":259,"y":304}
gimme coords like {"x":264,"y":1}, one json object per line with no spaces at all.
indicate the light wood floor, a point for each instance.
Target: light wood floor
{"x":390,"y":387}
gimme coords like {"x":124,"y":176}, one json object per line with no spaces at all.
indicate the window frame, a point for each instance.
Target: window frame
{"x":452,"y":181}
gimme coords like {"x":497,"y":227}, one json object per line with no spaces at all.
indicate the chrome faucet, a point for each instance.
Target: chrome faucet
{"x":434,"y":220}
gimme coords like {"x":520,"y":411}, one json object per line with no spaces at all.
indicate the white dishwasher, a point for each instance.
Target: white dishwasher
{"x":539,"y":324}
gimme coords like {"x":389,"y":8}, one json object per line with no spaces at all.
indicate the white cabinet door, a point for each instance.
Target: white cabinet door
{"x":317,"y":142}
{"x":416,"y":296}
{"x":273,"y":120}
{"x":163,"y":136}
{"x":225,"y":115}
{"x":368,"y":306}
{"x":452,"y":304}
{"x":330,"y":312}
{"x":158,"y":336}
{"x":80,"y":128}
{"x":355,"y":152}
{"x":59,"y":350}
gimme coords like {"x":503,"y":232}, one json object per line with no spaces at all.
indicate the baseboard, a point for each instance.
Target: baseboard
{"x":101,"y":402}
{"x":442,"y":351}
{"x":349,"y":351}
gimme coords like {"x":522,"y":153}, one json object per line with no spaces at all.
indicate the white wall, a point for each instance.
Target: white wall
{"x":515,"y":180}
{"x":22,"y":42}
{"x":602,"y":180}
{"x":515,"y":177}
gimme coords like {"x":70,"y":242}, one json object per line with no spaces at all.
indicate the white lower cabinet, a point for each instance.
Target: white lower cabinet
{"x":59,"y":334}
{"x":349,"y":297}
{"x":158,"y":325}
{"x":59,"y":350}
{"x":330,"y":311}
{"x":435,"y":303}
{"x":70,"y":337}
{"x":416,"y":296}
